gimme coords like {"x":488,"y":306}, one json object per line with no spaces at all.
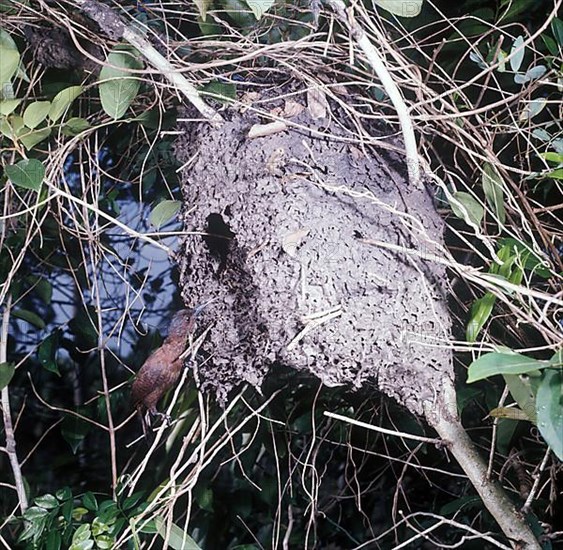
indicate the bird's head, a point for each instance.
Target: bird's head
{"x":183,"y":321}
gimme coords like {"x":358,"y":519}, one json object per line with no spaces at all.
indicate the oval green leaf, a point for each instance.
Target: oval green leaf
{"x":557,"y":359}
{"x":30,"y":317}
{"x":202,"y":7}
{"x":549,"y":409}
{"x":259,"y":7}
{"x":480,"y":312}
{"x":557,"y":28}
{"x":75,"y":125}
{"x":220,"y":91}
{"x":27,"y":173}
{"x":11,"y":126}
{"x":467,"y":208}
{"x":495,"y":363}
{"x":31,"y":139}
{"x":517,"y":54}
{"x":47,"y":352}
{"x":118,"y":89}
{"x":35,"y":113}
{"x":523,"y":390}
{"x":9,"y":65}
{"x":493,"y":188}
{"x":7,"y":371}
{"x":62,"y":101}
{"x":402,"y":9}
{"x":47,"y":501}
{"x":178,"y":539}
{"x":163,"y":212}
{"x":7,"y":106}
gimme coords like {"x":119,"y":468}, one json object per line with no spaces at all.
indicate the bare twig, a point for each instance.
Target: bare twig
{"x":7,"y":415}
{"x":346,"y":16}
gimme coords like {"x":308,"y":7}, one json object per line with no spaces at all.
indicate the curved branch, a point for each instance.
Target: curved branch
{"x":357,"y":33}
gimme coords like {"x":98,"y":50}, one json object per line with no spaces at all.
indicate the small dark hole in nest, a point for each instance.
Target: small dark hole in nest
{"x":218,"y":237}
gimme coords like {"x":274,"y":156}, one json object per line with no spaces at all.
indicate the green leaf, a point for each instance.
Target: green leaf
{"x":494,"y":191}
{"x":237,"y":10}
{"x":131,"y":502}
{"x":549,"y":409}
{"x":480,"y":312}
{"x":27,"y":173}
{"x":105,"y":542}
{"x":533,"y":73}
{"x":78,"y":513}
{"x":557,"y":29}
{"x":99,"y":527}
{"x":35,"y":113}
{"x":83,"y":328}
{"x":64,"y":494}
{"x":47,"y":501}
{"x":467,"y":208}
{"x":259,"y":7}
{"x":35,"y":512}
{"x":533,"y":108}
{"x":10,"y":58}
{"x":53,"y":541}
{"x":163,"y":212}
{"x":62,"y":101}
{"x":74,"y":430}
{"x":74,"y":126}
{"x":555,"y":174}
{"x":179,"y":539}
{"x":523,"y":390}
{"x":7,"y":106}
{"x":526,"y":257}
{"x":89,"y":501}
{"x":225,"y":92}
{"x":42,"y":287}
{"x":506,"y":430}
{"x":557,"y":359}
{"x":552,"y":156}
{"x":31,"y":139}
{"x":11,"y":125}
{"x":7,"y":371}
{"x":47,"y":352}
{"x":119,"y":89}
{"x":7,"y":6}
{"x":491,"y":364}
{"x":550,"y":44}
{"x":403,"y":9}
{"x":108,"y":511}
{"x":202,"y":7}
{"x":518,"y":57}
{"x":29,"y":316}
{"x":205,"y":500}
{"x":82,"y":533}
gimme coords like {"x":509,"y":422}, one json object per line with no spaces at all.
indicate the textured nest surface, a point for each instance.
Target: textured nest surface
{"x":293,"y":264}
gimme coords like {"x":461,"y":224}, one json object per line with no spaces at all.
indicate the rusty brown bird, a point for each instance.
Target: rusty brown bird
{"x":163,"y":367}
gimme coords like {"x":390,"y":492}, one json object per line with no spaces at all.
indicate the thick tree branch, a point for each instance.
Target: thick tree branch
{"x":443,"y":417}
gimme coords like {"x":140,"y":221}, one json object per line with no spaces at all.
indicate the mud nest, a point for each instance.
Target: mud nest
{"x":317,"y":252}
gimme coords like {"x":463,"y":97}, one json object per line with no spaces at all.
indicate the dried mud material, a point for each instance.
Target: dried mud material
{"x":294,"y":268}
